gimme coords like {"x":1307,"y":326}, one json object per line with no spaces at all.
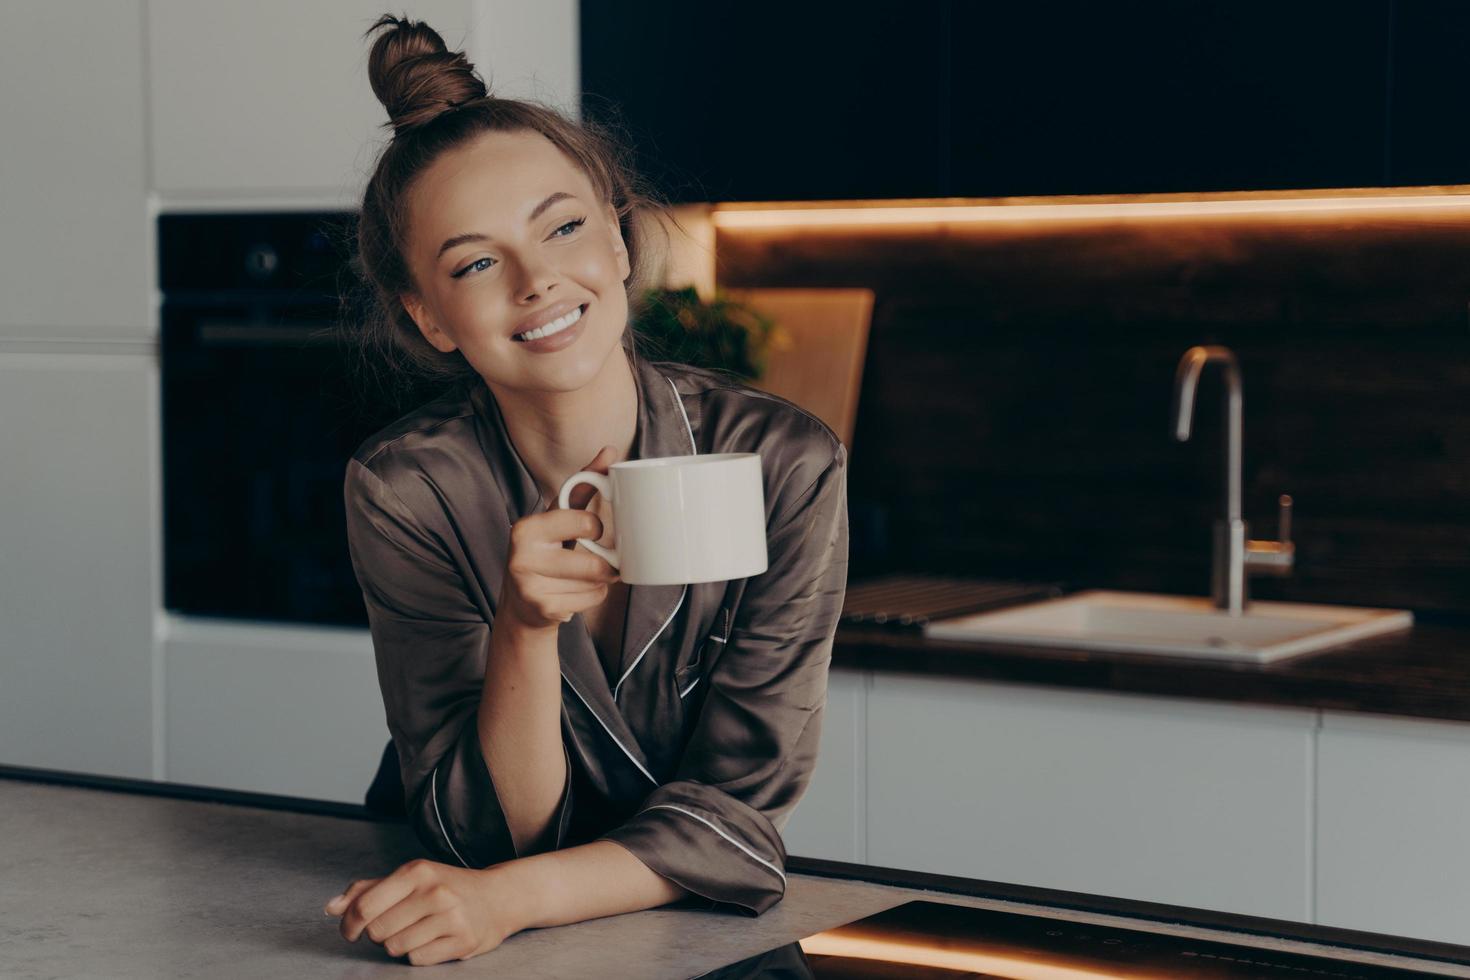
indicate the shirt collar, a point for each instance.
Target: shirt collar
{"x":662,"y":430}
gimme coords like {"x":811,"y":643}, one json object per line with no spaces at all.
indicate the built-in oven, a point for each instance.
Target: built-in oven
{"x":259,"y":415}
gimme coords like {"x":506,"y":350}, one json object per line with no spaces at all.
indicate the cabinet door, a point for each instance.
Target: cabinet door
{"x":1393,"y":805}
{"x":772,"y":100}
{"x":1429,"y":93}
{"x":75,"y":258}
{"x":273,"y":96}
{"x":828,"y":822}
{"x":1156,"y":95}
{"x":1156,"y":799}
{"x":78,"y":562}
{"x":273,"y":709}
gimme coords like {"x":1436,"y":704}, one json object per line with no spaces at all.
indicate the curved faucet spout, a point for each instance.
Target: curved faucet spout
{"x":1186,"y":382}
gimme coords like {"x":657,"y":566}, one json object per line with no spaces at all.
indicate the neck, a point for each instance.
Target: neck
{"x":557,"y":433}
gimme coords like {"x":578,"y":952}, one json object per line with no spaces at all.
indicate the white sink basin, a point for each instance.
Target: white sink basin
{"x":1187,"y":626}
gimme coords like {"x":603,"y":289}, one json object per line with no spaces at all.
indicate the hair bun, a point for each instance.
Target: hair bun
{"x":414,"y":74}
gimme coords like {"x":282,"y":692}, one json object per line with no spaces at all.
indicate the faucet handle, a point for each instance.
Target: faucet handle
{"x":1273,"y":557}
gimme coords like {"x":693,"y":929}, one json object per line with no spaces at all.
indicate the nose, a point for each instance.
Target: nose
{"x":537,"y":279}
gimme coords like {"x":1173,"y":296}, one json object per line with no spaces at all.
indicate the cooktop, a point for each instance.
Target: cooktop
{"x":936,"y":941}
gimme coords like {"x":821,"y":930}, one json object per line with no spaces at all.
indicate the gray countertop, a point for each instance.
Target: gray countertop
{"x":96,"y":883}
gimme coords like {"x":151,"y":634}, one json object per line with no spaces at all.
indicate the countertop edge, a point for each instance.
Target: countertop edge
{"x":970,"y":887}
{"x":1422,"y":673}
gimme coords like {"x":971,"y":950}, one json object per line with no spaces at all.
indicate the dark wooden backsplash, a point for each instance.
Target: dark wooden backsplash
{"x":1014,"y":416}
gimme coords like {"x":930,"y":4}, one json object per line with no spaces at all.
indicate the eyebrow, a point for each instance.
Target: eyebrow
{"x":471,"y":236}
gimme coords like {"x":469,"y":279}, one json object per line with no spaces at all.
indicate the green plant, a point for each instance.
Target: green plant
{"x":723,"y":334}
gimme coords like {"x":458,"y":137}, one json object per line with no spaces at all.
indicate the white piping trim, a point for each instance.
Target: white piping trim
{"x":655,"y":636}
{"x":754,"y":856}
{"x":679,"y":400}
{"x":434,"y":797}
{"x":610,"y":735}
{"x":694,"y":449}
{"x":712,"y":639}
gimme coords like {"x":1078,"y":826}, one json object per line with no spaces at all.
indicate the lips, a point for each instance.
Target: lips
{"x":542,"y":317}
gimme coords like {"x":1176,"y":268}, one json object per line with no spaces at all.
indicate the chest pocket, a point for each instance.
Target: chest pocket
{"x":686,"y":678}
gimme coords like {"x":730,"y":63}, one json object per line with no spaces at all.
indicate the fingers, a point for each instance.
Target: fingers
{"x":577,"y":565}
{"x":577,"y":568}
{"x":408,"y":940}
{"x":439,"y":951}
{"x":574,"y":569}
{"x":563,"y":604}
{"x":374,"y":900}
{"x":340,"y":903}
{"x":395,"y":927}
{"x":553,"y":527}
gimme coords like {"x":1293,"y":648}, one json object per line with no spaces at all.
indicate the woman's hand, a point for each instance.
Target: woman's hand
{"x":545,"y":582}
{"x":429,"y":912}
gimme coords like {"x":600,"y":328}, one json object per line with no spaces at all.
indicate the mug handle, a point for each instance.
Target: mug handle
{"x":604,"y":486}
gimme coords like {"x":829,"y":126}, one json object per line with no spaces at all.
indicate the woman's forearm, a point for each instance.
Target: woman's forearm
{"x":520,"y":731}
{"x":583,"y":882}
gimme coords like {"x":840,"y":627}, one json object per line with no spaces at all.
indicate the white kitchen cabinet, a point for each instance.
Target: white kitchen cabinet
{"x":283,"y":709}
{"x":78,"y":561}
{"x":1393,"y":808}
{"x":75,"y":254}
{"x":272,"y":98}
{"x":828,"y":822}
{"x":1159,"y":799}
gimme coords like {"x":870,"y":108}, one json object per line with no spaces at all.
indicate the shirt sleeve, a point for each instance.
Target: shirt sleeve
{"x":430,"y":642}
{"x":715,"y":828}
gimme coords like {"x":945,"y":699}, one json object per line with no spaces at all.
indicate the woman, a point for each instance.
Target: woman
{"x":570,"y":746}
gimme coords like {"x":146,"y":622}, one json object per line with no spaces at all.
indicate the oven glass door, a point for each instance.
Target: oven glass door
{"x":259,"y":422}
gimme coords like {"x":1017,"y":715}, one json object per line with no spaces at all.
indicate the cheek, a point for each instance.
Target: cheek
{"x":596,"y":263}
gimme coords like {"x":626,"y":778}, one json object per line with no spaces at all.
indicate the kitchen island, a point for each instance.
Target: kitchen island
{"x":1325,"y":788}
{"x":118,"y":878}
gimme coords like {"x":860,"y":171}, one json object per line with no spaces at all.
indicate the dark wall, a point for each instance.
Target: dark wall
{"x":1014,"y":416}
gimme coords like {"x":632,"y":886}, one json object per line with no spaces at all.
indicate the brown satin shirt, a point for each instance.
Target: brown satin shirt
{"x":694,"y":759}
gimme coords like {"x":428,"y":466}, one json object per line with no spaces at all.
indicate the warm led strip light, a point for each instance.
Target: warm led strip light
{"x":889,"y":951}
{"x":941,"y":214}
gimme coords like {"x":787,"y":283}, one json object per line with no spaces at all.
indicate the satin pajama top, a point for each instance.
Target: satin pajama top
{"x":695,"y":757}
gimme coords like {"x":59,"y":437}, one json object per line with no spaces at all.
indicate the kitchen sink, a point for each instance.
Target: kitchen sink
{"x":1181,"y":626}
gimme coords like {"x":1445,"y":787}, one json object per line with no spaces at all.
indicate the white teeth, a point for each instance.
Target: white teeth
{"x":555,"y":326}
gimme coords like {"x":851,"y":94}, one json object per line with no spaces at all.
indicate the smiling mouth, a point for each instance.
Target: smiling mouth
{"x":521,"y":338}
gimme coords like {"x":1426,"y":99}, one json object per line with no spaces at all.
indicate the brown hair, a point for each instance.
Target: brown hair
{"x":436,"y":102}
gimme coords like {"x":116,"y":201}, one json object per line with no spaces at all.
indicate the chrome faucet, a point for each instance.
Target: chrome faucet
{"x":1235,"y":556}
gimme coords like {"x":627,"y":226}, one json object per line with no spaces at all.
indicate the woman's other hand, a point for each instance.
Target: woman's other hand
{"x":429,"y":912}
{"x":546,"y":582}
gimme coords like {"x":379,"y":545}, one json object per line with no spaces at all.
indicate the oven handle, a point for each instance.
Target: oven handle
{"x":286,"y":333}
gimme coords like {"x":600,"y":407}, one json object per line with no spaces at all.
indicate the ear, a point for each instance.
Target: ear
{"x":620,"y":248}
{"x":438,"y":338}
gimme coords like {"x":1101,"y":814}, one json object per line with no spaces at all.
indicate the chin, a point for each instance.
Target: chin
{"x":578,"y":365}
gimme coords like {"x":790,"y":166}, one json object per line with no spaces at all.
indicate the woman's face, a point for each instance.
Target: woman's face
{"x":501,"y":231}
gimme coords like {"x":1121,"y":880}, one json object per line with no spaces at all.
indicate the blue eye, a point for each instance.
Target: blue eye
{"x":471,"y":266}
{"x":573,"y":224}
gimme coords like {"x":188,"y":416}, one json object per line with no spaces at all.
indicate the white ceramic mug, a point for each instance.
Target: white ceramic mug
{"x":682,"y":519}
